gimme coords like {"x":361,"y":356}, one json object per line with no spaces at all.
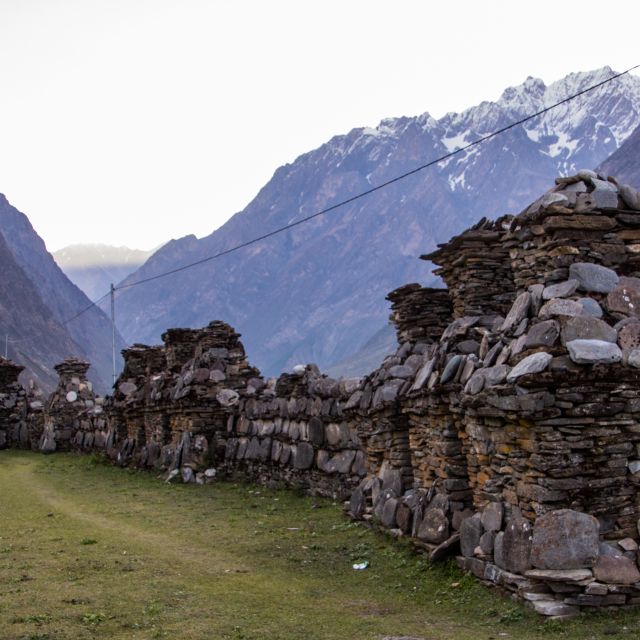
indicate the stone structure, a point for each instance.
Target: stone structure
{"x":13,"y":407}
{"x":505,"y":429}
{"x":73,"y":414}
{"x":195,"y":404}
{"x":523,"y":419}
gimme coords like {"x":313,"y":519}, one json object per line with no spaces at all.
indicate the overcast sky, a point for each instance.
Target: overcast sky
{"x":131,"y":122}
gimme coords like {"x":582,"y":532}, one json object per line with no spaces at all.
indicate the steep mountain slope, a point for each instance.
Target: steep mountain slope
{"x":625,"y":162}
{"x":35,"y":339}
{"x":93,"y":267}
{"x":316,"y":293}
{"x":91,"y":332}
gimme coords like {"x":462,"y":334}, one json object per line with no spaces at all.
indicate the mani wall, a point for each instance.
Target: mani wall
{"x":505,"y":430}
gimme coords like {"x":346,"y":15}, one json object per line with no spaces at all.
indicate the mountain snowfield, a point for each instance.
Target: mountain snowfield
{"x":316,"y":293}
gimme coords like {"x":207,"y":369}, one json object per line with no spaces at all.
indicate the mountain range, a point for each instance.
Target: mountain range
{"x":93,"y":267}
{"x":624,"y":163}
{"x":316,"y":293}
{"x":37,"y":302}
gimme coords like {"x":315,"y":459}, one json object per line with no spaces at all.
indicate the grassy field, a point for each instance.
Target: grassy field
{"x":91,"y":551}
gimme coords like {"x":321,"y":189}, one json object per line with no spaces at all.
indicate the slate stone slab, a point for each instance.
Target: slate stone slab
{"x":423,"y":374}
{"x":588,"y":328}
{"x":565,"y":539}
{"x":516,"y":545}
{"x":591,"y":307}
{"x":535,"y":363}
{"x":496,"y":374}
{"x":594,"y":352}
{"x":404,"y":517}
{"x":316,"y":431}
{"x":388,"y":517}
{"x":470,"y":531}
{"x":560,"y":290}
{"x":498,"y":550}
{"x":555,"y":608}
{"x":629,"y":335}
{"x":451,"y":369}
{"x":616,"y":570}
{"x":517,"y":312}
{"x":476,"y":383}
{"x":391,"y":479}
{"x":542,"y":334}
{"x":625,"y":298}
{"x":560,"y":307}
{"x":593,"y":277}
{"x":486,"y":542}
{"x":401,"y":371}
{"x":445,"y":549}
{"x":559,"y":575}
{"x":492,"y":516}
{"x":303,"y":457}
{"x":434,"y":527}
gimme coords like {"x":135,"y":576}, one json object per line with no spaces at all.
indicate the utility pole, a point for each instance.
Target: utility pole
{"x":113,"y":331}
{"x":6,"y":346}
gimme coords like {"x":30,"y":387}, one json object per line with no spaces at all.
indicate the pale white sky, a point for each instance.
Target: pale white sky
{"x":137,"y":121}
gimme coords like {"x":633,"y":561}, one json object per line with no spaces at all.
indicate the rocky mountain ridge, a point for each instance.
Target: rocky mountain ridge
{"x":316,"y":293}
{"x":625,"y":162}
{"x":36,"y":314}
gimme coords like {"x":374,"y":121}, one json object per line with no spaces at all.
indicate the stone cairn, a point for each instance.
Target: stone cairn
{"x":505,"y":429}
{"x":73,"y":414}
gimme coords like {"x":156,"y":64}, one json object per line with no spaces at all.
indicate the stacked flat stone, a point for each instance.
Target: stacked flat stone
{"x":131,"y":424}
{"x":293,"y":431}
{"x":203,"y":399}
{"x":420,"y":314}
{"x":36,"y":402}
{"x":475,"y":266}
{"x":73,"y":413}
{"x":13,"y":407}
{"x":531,"y":410}
{"x":584,"y":218}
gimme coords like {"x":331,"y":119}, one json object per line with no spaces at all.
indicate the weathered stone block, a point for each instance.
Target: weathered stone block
{"x":434,"y":527}
{"x":616,"y":569}
{"x":470,"y":531}
{"x":565,"y":539}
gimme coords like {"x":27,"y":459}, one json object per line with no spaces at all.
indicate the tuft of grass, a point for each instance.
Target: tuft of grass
{"x":87,"y":541}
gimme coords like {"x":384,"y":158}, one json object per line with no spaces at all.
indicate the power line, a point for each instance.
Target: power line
{"x":363,"y":193}
{"x":89,"y":306}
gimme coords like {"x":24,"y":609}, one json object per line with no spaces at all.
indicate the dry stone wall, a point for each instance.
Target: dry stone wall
{"x":505,"y":429}
{"x":13,"y":407}
{"x":524,"y":424}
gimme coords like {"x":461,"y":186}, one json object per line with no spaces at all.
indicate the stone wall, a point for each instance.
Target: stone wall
{"x":13,"y":407}
{"x":523,"y":418}
{"x":505,"y":429}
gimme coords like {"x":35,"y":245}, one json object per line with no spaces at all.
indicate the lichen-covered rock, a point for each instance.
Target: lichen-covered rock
{"x":616,"y":570}
{"x":516,"y":545}
{"x":565,"y":539}
{"x":593,"y":277}
{"x":594,"y":352}
{"x":535,"y":363}
{"x":470,"y":532}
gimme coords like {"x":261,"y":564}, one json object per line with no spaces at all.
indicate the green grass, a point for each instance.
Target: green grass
{"x":92,"y":551}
